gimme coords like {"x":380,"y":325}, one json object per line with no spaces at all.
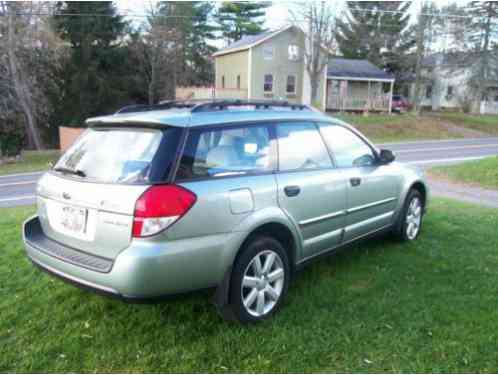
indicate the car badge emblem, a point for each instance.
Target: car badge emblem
{"x":66,"y":196}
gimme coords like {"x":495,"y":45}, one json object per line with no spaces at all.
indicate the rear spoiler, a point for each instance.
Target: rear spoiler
{"x":120,"y":123}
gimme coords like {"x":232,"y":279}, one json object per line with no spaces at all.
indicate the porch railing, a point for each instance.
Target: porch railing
{"x":358,"y":103}
{"x":489,"y":107}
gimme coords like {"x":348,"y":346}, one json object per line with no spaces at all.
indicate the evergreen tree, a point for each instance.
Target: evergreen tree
{"x":199,"y":50}
{"x":377,"y":31}
{"x":192,"y":24}
{"x":237,"y":19}
{"x":94,"y":76}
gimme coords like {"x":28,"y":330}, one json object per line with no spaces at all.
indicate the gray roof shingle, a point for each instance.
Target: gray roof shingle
{"x":340,"y":67}
{"x":250,"y":40}
{"x":246,"y":41}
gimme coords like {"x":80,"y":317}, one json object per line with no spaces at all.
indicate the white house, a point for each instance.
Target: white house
{"x":446,"y":85}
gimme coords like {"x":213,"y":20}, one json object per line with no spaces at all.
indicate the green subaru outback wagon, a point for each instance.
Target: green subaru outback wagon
{"x":232,"y":195}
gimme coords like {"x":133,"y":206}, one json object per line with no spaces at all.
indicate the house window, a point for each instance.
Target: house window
{"x":222,"y":82}
{"x":291,"y":84}
{"x":406,"y":91}
{"x":268,"y":52}
{"x":449,"y":91}
{"x":293,"y":52}
{"x":428,"y":92}
{"x":335,"y":87}
{"x":238,"y":82}
{"x":268,"y":84}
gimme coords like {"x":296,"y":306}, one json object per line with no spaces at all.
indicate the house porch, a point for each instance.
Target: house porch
{"x":359,"y":94}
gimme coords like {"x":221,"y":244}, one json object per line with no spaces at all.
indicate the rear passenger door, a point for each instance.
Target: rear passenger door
{"x":371,"y":187}
{"x":310,"y":190}
{"x":230,"y":169}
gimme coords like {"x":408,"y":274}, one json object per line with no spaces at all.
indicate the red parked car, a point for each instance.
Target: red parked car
{"x":399,"y":104}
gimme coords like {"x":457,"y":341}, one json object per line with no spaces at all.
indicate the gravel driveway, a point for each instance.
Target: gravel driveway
{"x":463,"y":192}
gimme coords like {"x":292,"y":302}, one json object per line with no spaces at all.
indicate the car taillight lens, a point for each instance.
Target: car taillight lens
{"x":159,"y":207}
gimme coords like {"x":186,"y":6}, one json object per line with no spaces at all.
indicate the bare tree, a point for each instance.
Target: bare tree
{"x":19,"y":77}
{"x":319,"y":27}
{"x":157,"y":48}
{"x":425,"y":29}
{"x":28,"y":51}
{"x":419,"y":57}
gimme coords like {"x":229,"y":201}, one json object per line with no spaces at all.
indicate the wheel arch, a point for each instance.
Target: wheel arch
{"x":421,"y":188}
{"x":278,"y":231}
{"x":275,"y":225}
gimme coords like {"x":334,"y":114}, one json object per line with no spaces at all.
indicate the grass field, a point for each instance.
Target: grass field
{"x":32,"y":161}
{"x":381,"y":306}
{"x":484,"y":123}
{"x":406,"y":127}
{"x":477,"y":172}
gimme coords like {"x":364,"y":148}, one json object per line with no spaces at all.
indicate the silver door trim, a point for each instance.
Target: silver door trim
{"x":344,"y":212}
{"x":321,"y":218}
{"x":369,"y":205}
{"x":343,"y":244}
{"x":323,"y":237}
{"x":368,"y":221}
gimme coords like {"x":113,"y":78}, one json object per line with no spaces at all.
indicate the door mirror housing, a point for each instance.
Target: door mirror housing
{"x":386,"y":156}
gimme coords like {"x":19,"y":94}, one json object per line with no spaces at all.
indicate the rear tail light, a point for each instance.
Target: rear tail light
{"x":159,"y":207}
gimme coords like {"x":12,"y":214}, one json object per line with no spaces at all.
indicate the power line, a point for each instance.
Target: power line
{"x":400,"y":12}
{"x":140,"y":15}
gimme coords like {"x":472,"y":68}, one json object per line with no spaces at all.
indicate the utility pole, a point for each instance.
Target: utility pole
{"x":419,"y":57}
{"x":483,"y":69}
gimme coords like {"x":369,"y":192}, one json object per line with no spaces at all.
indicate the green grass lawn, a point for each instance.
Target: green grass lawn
{"x":32,"y":161}
{"x":381,"y":306}
{"x":397,"y":128}
{"x":484,"y":123}
{"x":479,"y":172}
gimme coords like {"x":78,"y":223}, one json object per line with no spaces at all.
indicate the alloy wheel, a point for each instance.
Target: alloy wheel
{"x":413,"y":218}
{"x":262,"y":283}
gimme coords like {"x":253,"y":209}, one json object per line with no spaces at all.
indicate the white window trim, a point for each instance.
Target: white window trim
{"x":287,"y":83}
{"x":272,"y":83}
{"x":289,"y":55}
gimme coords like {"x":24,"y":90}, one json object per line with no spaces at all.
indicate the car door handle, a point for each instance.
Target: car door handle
{"x":355,"y":181}
{"x":292,"y":191}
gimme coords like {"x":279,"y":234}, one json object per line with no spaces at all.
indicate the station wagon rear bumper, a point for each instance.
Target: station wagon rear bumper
{"x":143,"y":271}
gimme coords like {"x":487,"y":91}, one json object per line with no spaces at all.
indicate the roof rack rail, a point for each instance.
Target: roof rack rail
{"x":208,"y":105}
{"x":219,"y":105}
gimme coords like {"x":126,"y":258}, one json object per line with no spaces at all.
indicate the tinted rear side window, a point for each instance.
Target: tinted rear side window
{"x":119,"y":155}
{"x":300,"y":146}
{"x":222,"y":152}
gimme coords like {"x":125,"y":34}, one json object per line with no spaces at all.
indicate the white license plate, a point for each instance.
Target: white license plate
{"x":73,"y":219}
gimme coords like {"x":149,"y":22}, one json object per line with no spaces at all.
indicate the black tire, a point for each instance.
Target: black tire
{"x":401,"y":227}
{"x":254,"y":246}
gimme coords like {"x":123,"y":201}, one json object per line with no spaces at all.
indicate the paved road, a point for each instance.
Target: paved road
{"x":19,"y":189}
{"x":443,"y":152}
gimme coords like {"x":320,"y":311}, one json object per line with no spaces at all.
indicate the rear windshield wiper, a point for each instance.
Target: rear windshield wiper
{"x":76,"y":172}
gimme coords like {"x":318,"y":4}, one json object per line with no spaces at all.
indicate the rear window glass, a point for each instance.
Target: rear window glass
{"x":128,"y":156}
{"x":226,"y":152}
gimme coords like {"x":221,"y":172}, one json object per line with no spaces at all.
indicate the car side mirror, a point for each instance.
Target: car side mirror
{"x":386,"y":156}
